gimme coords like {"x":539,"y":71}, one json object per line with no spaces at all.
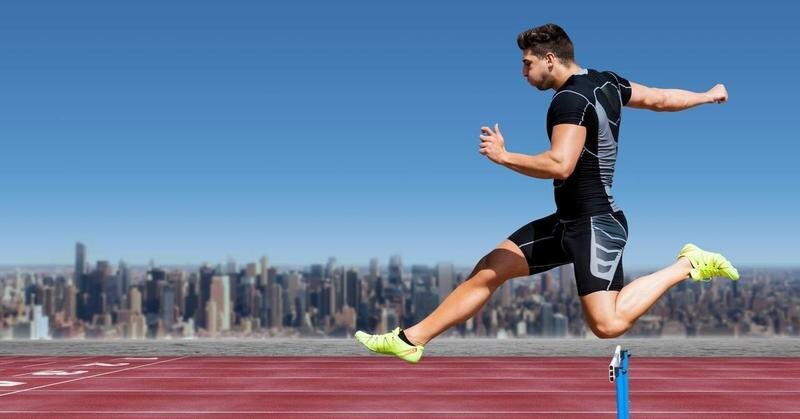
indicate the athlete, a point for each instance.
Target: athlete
{"x":588,"y":228}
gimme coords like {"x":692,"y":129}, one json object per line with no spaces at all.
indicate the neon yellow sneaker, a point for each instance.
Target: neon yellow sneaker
{"x":391,"y":344}
{"x":707,"y":265}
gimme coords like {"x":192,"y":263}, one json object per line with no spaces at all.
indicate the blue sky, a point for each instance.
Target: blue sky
{"x":188,"y":131}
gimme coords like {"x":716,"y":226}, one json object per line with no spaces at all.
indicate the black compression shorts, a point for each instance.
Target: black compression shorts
{"x":593,"y":243}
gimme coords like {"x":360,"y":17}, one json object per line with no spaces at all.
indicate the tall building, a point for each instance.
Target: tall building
{"x":560,"y":325}
{"x":136,"y":301}
{"x":167,"y":306}
{"x":424,"y":300}
{"x":221,"y":295}
{"x":374,"y":269}
{"x":40,"y":328}
{"x":506,"y":294}
{"x":251,"y":270}
{"x":566,"y":279}
{"x":352,"y":288}
{"x":547,"y":283}
{"x":80,"y":263}
{"x":263,"y":279}
{"x":49,"y":301}
{"x":91,"y":297}
{"x":191,"y":298}
{"x":124,"y":274}
{"x":211,"y":316}
{"x":395,"y":270}
{"x":330,"y":267}
{"x":276,"y":306}
{"x":444,"y":275}
{"x":548,"y":323}
{"x":70,"y":303}
{"x":230,"y":267}
{"x":152,"y":298}
{"x":178,"y":281}
{"x":203,"y":294}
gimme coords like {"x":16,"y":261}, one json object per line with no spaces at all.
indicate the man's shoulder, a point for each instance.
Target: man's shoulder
{"x":575,"y":93}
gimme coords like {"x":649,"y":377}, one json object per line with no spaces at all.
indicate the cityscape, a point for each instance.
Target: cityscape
{"x":259,"y":300}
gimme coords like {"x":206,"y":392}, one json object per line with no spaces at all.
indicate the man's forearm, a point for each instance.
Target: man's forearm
{"x":542,"y":166}
{"x":678,"y":100}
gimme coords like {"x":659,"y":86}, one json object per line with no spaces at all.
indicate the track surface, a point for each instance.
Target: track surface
{"x":370,"y":386}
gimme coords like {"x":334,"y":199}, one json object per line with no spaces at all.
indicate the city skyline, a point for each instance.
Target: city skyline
{"x":257,"y":299}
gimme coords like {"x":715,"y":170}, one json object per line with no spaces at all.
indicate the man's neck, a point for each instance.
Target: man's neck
{"x":564,"y":73}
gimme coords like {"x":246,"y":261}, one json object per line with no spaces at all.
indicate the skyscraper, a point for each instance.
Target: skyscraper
{"x":203,"y":294}
{"x":352,"y":288}
{"x":251,"y":270}
{"x":71,"y":300}
{"x":124,"y":274}
{"x":566,"y":279}
{"x":136,"y":301}
{"x":230,"y":267}
{"x":276,"y":306}
{"x":560,"y":325}
{"x":80,"y":263}
{"x":548,"y":322}
{"x":264,"y":280}
{"x":221,"y":295}
{"x":374,"y":269}
{"x":40,"y":328}
{"x":444,"y":274}
{"x":330,"y":267}
{"x":395,"y":270}
{"x":167,"y":306}
{"x":211,"y":317}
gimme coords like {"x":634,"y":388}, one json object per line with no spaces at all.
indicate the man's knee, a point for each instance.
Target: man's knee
{"x":608,"y":329}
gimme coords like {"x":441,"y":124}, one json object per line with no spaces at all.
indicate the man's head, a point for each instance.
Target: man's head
{"x":545,"y":49}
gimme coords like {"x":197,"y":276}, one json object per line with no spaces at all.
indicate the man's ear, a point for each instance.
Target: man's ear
{"x":551,"y":59}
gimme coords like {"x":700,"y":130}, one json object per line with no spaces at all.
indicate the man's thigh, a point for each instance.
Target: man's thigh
{"x":540,"y":243}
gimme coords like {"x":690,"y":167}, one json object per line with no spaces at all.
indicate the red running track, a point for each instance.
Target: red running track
{"x":371,"y":386}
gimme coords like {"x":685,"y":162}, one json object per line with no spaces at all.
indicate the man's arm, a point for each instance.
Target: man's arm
{"x":672,"y":100}
{"x":557,"y":163}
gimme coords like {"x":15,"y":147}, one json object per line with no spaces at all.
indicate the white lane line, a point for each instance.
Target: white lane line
{"x":9,"y":360}
{"x":48,"y":363}
{"x":91,"y":376}
{"x":101,"y":364}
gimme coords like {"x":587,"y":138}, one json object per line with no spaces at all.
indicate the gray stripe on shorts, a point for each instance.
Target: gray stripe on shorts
{"x":607,"y":246}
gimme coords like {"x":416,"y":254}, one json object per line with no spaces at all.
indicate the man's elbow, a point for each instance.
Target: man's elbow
{"x":562,"y":172}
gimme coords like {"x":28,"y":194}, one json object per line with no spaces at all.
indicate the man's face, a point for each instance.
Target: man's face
{"x":536,"y":70}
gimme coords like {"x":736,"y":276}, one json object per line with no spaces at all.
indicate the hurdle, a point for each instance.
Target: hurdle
{"x":618,"y":372}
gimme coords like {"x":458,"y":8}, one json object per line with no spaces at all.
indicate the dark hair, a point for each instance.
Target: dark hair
{"x":547,"y":38}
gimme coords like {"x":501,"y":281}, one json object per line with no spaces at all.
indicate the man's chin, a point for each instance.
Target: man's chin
{"x":537,"y":86}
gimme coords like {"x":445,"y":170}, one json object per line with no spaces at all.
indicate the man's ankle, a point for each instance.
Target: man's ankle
{"x":411,"y":339}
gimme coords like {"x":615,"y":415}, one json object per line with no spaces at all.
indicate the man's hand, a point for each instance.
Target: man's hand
{"x":493,"y":145}
{"x":718,"y":94}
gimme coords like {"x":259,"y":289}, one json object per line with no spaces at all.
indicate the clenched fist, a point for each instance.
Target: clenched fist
{"x":718,"y":94}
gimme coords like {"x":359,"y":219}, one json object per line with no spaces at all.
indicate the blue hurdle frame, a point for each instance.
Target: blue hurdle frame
{"x":618,"y":372}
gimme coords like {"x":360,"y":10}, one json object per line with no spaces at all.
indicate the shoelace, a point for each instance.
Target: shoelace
{"x":710,"y":266}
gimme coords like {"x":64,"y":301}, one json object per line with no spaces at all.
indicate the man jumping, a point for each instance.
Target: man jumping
{"x":588,"y":229}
